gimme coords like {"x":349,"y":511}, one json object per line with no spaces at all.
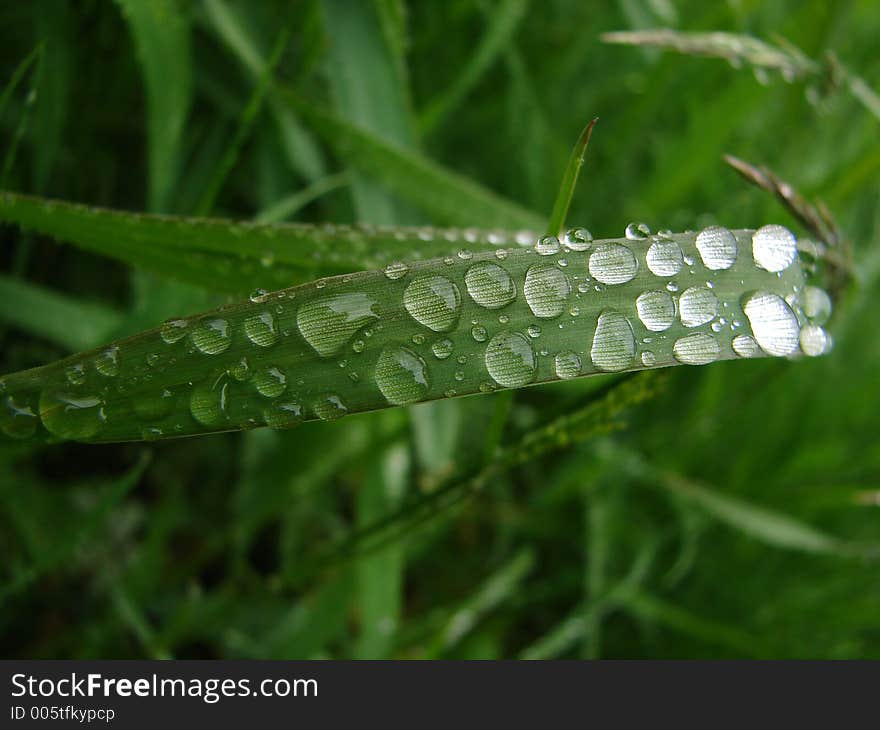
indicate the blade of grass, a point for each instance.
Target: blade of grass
{"x":569,"y":181}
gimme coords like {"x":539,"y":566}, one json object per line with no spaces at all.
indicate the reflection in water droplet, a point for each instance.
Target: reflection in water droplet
{"x":745,"y":346}
{"x":260,"y":329}
{"x":489,"y":285}
{"x":613,"y":263}
{"x":434,"y":302}
{"x":17,"y":418}
{"x":71,"y":416}
{"x":637,"y":231}
{"x":510,"y":359}
{"x":329,"y":407}
{"x":774,"y":325}
{"x":107,"y":363}
{"x":578,"y":239}
{"x":717,"y":247}
{"x":697,"y":306}
{"x":212,"y":336}
{"x":614,"y":345}
{"x":568,"y":364}
{"x":656,"y":310}
{"x":270,"y":382}
{"x":546,"y":290}
{"x":664,"y":258}
{"x":547,"y":246}
{"x":401,"y":375}
{"x":284,"y":414}
{"x":774,"y":247}
{"x":814,"y":340}
{"x":696,"y":349}
{"x":329,"y":322}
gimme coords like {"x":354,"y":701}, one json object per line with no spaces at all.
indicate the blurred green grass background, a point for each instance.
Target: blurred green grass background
{"x":728,"y":518}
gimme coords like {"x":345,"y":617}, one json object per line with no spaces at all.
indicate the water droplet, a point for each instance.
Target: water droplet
{"x":241,"y":370}
{"x":717,"y":247}
{"x":76,"y":374}
{"x":329,"y":407}
{"x":257,"y":295}
{"x":816,"y":304}
{"x":656,"y":310}
{"x":284,"y":414}
{"x":442,"y":348}
{"x":501,"y":254}
{"x":17,"y":419}
{"x":329,"y":322}
{"x":547,"y":246}
{"x":774,"y":247}
{"x":578,"y":239}
{"x":478,"y":332}
{"x":270,"y":382}
{"x":745,"y":346}
{"x":503,"y":318}
{"x":465,"y":255}
{"x":209,"y":402}
{"x":71,"y":416}
{"x":434,"y":302}
{"x":697,"y":306}
{"x":489,"y":285}
{"x":152,"y":359}
{"x":260,"y":329}
{"x":814,"y":340}
{"x":401,"y":375}
{"x":533,"y":331}
{"x":107,"y":363}
{"x":418,"y":339}
{"x":358,"y":345}
{"x":546,"y":290}
{"x":637,"y":231}
{"x":510,"y":359}
{"x":614,"y":345}
{"x":774,"y":325}
{"x":697,"y":349}
{"x":612,"y":263}
{"x":212,"y":336}
{"x":396,"y":270}
{"x":173,"y":330}
{"x":664,"y":258}
{"x":568,"y":364}
{"x":649,"y":359}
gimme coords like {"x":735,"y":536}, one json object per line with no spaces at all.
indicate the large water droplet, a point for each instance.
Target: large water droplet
{"x":284,"y":414}
{"x":774,"y":247}
{"x":70,"y":415}
{"x":578,"y":239}
{"x":546,"y":290}
{"x":434,"y":302}
{"x":613,"y":263}
{"x":656,"y":310}
{"x":490,"y":285}
{"x":717,"y":247}
{"x":774,"y":325}
{"x":401,"y":375}
{"x":696,"y":349}
{"x":212,"y":336}
{"x":814,"y":340}
{"x":697,"y":306}
{"x":107,"y":363}
{"x":614,"y":345}
{"x":568,"y":364}
{"x":173,"y":330}
{"x":816,"y":304}
{"x":664,"y":258}
{"x":329,"y":407}
{"x":329,"y":322}
{"x":270,"y":382}
{"x":745,"y":346}
{"x":17,"y":418}
{"x":260,"y":329}
{"x":510,"y":359}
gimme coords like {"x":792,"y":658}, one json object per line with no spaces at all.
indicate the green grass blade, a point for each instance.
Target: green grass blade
{"x":17,"y":75}
{"x":290,"y":205}
{"x":569,"y":181}
{"x":161,"y":34}
{"x":434,"y":329}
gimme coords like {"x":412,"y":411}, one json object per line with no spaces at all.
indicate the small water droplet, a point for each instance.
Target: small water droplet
{"x":489,"y":285}
{"x":209,"y":401}
{"x":664,"y":258}
{"x":578,"y":239}
{"x":696,"y":349}
{"x":697,"y":306}
{"x":656,"y":310}
{"x":212,"y":336}
{"x":465,"y":255}
{"x":533,"y":331}
{"x":401,"y":375}
{"x":814,"y":340}
{"x":717,"y":247}
{"x":76,"y":374}
{"x":442,"y":348}
{"x":816,"y":304}
{"x":17,"y":418}
{"x":152,"y":359}
{"x":773,"y":324}
{"x":546,"y":290}
{"x":241,"y":370}
{"x":547,"y":246}
{"x":396,"y":270}
{"x":433,"y":301}
{"x":613,"y":263}
{"x":418,"y":339}
{"x":260,"y":329}
{"x":270,"y":382}
{"x":510,"y":360}
{"x":173,"y":330}
{"x":774,"y":248}
{"x":745,"y":346}
{"x":283,"y":414}
{"x":257,"y":295}
{"x":329,"y":322}
{"x":358,"y":345}
{"x":329,"y":407}
{"x":649,"y":359}
{"x":637,"y":231}
{"x":107,"y":363}
{"x":614,"y":344}
{"x":71,"y":415}
{"x":478,"y":332}
{"x":568,"y":364}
